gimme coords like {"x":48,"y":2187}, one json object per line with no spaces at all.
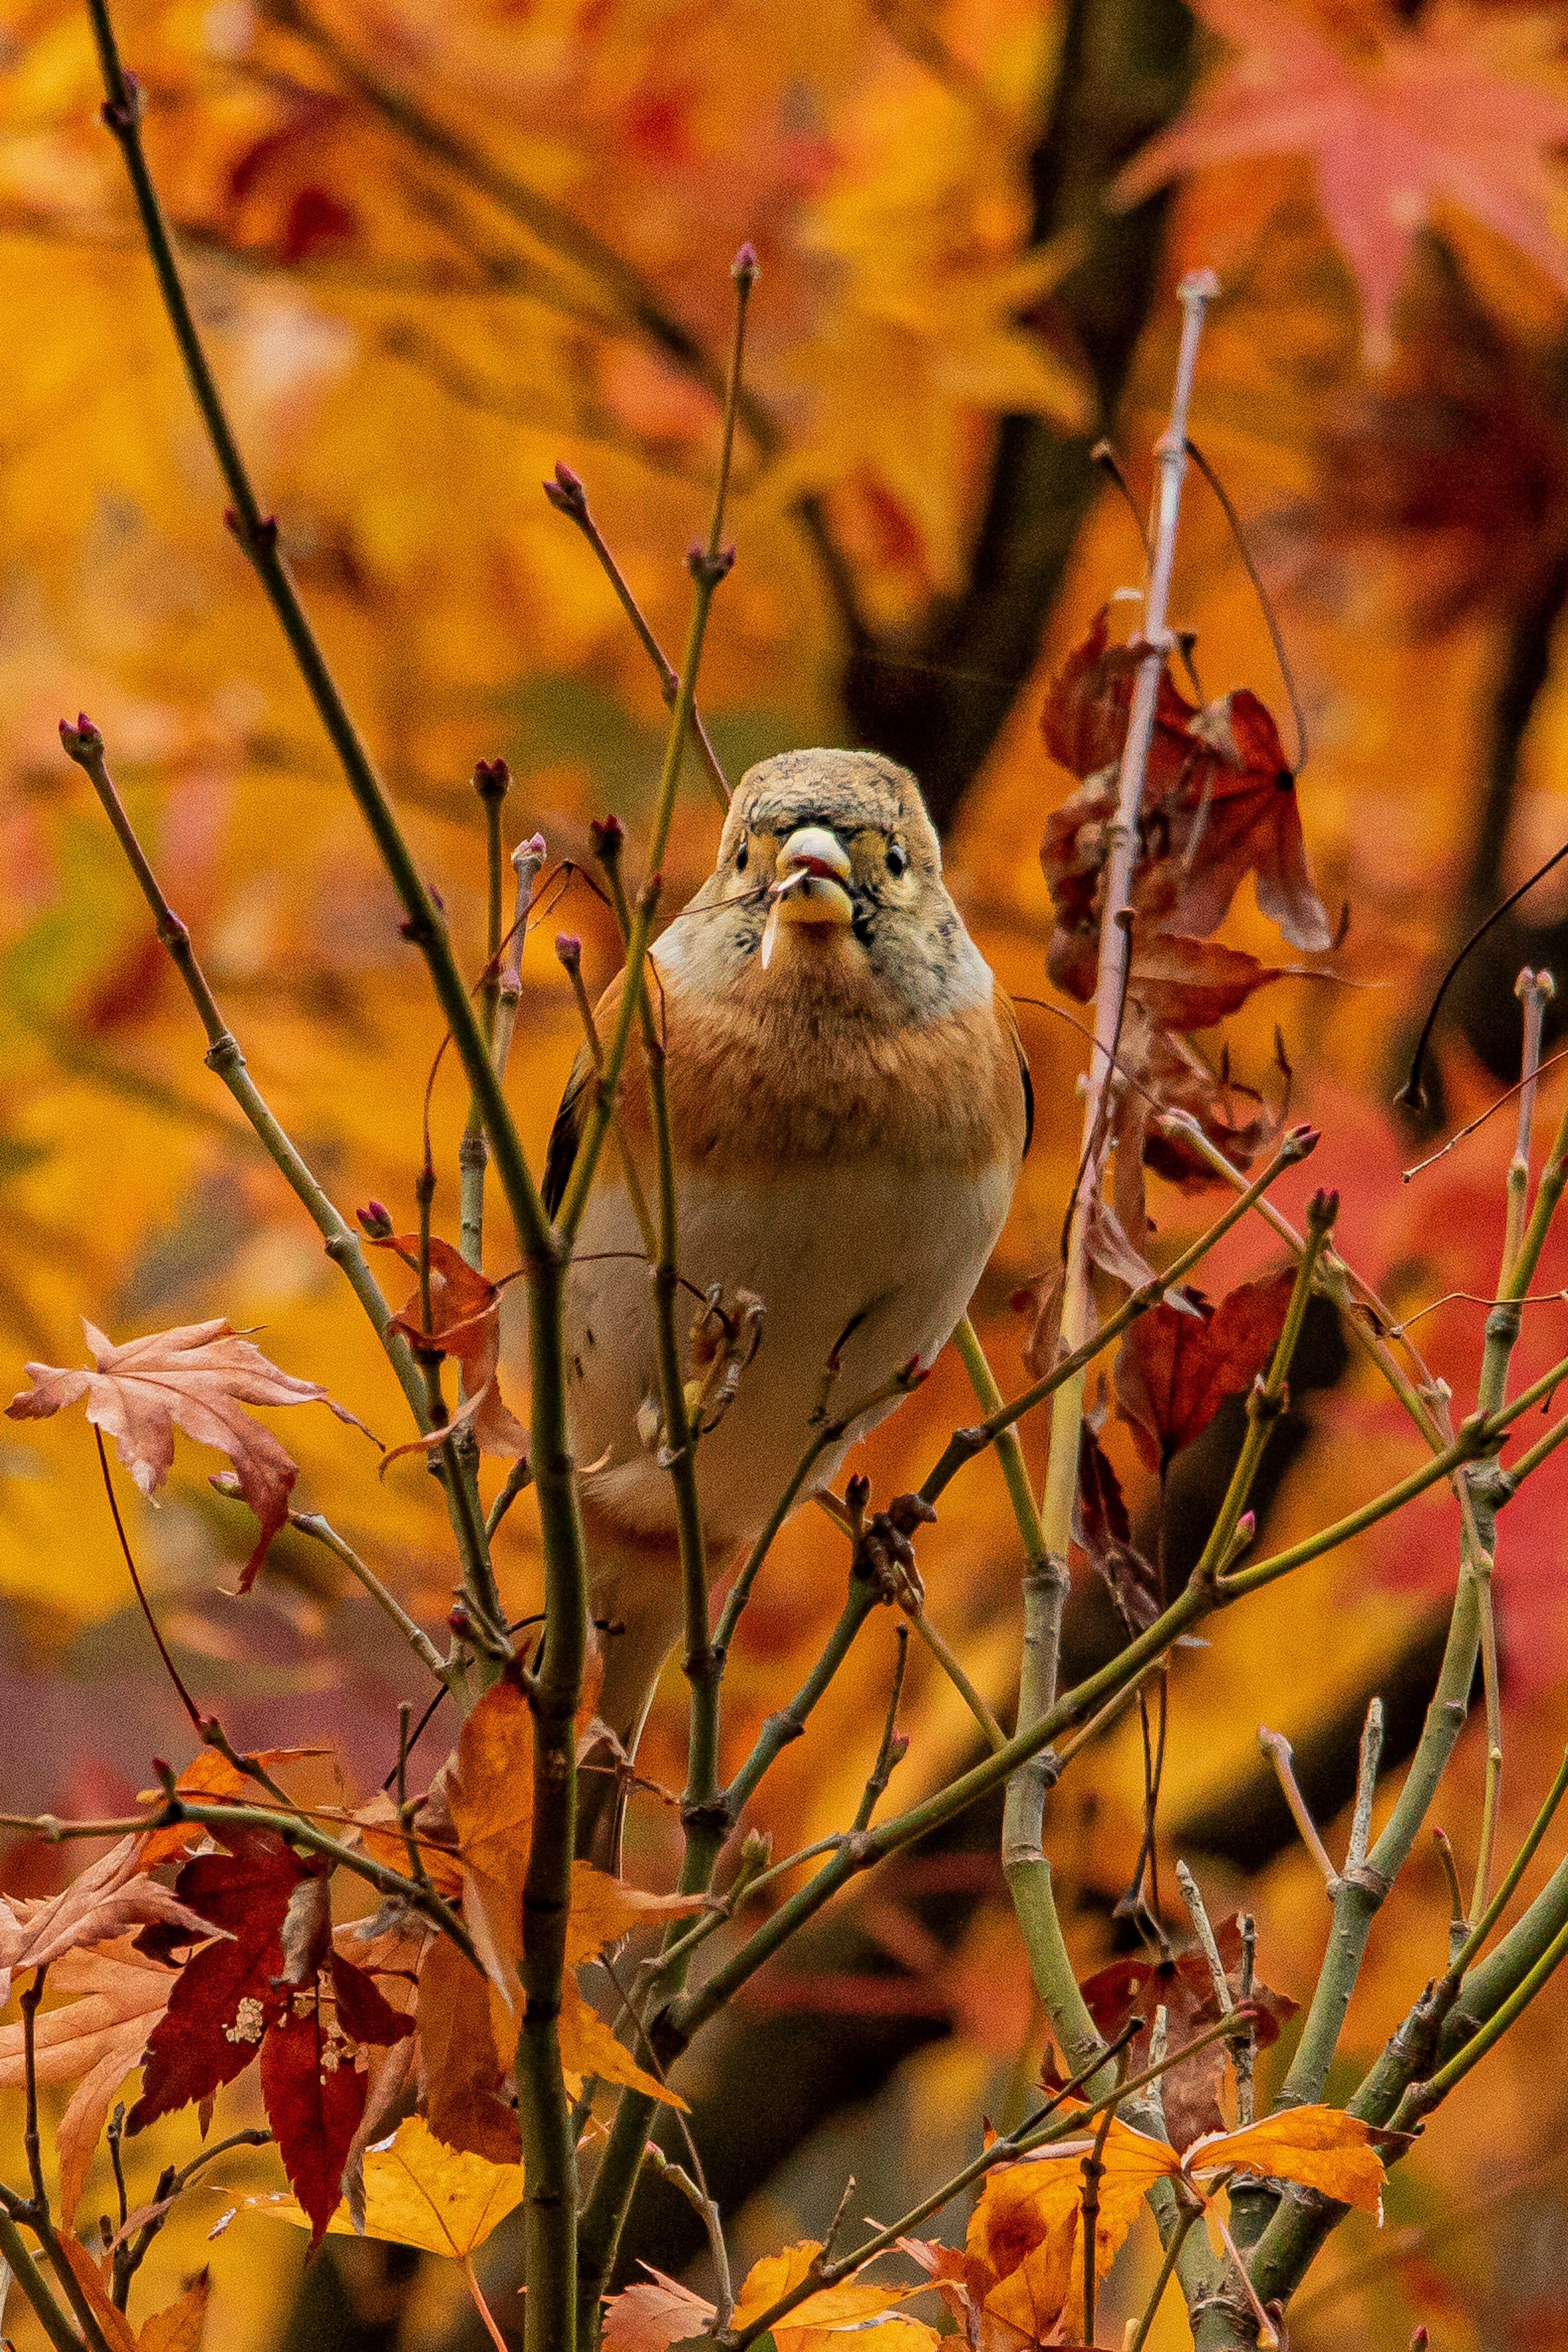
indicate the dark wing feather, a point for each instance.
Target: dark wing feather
{"x":1008,"y":1014}
{"x":565,"y":1136}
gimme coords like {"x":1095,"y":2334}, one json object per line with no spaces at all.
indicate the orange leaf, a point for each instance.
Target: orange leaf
{"x":116,"y":2327}
{"x":196,"y":1376}
{"x":178,"y":2327}
{"x":1322,"y":2148}
{"x":109,"y":1896}
{"x":1027,"y":2226}
{"x":209,"y":1776}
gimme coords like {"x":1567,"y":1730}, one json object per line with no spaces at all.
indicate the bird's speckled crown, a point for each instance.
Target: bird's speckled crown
{"x":846,"y":790}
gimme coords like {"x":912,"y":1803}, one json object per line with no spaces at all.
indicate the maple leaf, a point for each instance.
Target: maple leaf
{"x":111,"y":1895}
{"x":1451,"y":108}
{"x":178,"y":2327}
{"x":93,"y":2040}
{"x":272,"y":1988}
{"x":465,"y":1316}
{"x":651,"y":2315}
{"x":1027,"y":2228}
{"x":219,"y":2010}
{"x":195,"y":1377}
{"x":1219,"y":801}
{"x":418,"y":2193}
{"x":1173,"y":1371}
{"x":1184,"y":1988}
{"x":1320,"y":2148}
{"x":1100,"y":1524}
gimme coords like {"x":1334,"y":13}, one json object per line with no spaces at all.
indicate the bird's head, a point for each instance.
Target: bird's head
{"x":829,"y":877}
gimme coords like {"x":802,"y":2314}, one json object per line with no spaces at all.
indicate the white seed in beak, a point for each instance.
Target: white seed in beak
{"x":812,"y":870}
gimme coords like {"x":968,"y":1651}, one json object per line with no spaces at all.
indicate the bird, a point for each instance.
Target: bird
{"x":849,"y":1107}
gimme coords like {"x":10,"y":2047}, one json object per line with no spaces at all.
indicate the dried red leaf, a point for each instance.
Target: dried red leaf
{"x":1100,"y":1525}
{"x":1187,"y":983}
{"x":1184,"y":1988}
{"x":1174,"y":1370}
{"x":226,"y":1994}
{"x":1219,"y":801}
{"x":464,"y":1320}
{"x":315,"y":2096}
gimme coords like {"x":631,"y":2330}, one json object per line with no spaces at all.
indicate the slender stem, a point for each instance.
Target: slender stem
{"x":449,"y":1673}
{"x":1278,"y":1749}
{"x":1093,"y":2169}
{"x":258,"y":536}
{"x":780,"y":1730}
{"x":891,"y":1748}
{"x":1483,"y":1927}
{"x":994,"y":1735}
{"x":15,"y":2252}
{"x":568,"y":496}
{"x":527,"y":859}
{"x":1422,"y":2098}
{"x":1141,"y":2335}
{"x":84,"y":744}
{"x":487,"y":2316}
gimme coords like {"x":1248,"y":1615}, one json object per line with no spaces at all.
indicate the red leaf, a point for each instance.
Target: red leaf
{"x":226,"y":1995}
{"x":314,"y":2095}
{"x":1100,"y":1524}
{"x":1185,"y":1990}
{"x":1447,"y":109}
{"x":365,"y":2013}
{"x":1173,"y":1371}
{"x":1219,"y":801}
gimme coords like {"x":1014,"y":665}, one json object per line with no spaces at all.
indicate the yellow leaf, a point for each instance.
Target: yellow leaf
{"x":772,"y":2276}
{"x":418,"y":2193}
{"x":1322,"y":2148}
{"x":491,"y":1793}
{"x":1027,"y":2227}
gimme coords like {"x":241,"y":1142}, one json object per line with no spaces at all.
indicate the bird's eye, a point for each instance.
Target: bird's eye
{"x":897,"y":859}
{"x":741,"y":855}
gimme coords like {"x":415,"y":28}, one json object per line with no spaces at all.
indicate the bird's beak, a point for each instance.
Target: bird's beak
{"x":812,"y":871}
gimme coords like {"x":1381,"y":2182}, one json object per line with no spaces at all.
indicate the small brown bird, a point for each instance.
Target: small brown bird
{"x":850,"y":1107}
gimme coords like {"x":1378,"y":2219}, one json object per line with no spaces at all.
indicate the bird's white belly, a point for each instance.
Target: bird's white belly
{"x":901,"y":1249}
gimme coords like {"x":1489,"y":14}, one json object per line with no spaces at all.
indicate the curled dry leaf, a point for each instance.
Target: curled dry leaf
{"x":1219,"y":801}
{"x":1100,"y":1524}
{"x":195,"y":1377}
{"x":464,"y":1320}
{"x":1174,"y":1372}
{"x":653,"y":2314}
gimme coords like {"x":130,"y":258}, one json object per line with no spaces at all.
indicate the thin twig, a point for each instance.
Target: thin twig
{"x":890,"y":1749}
{"x":170,"y":1669}
{"x":1278,"y":1749}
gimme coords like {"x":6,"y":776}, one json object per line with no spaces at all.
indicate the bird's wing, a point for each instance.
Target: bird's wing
{"x":1009,"y":1019}
{"x":561,"y":1155}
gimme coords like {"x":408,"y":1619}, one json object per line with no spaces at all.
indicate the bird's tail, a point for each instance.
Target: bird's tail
{"x":634,"y":1595}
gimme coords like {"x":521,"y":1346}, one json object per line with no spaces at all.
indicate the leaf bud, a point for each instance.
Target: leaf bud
{"x":857,"y":1493}
{"x":745,"y":270}
{"x":81,"y":741}
{"x":376,"y":1219}
{"x":607,"y":838}
{"x":756,"y":1850}
{"x":566,"y":493}
{"x":493,"y":779}
{"x":457,"y":1618}
{"x":568,"y":950}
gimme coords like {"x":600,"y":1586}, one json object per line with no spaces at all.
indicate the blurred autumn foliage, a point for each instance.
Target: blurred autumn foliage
{"x":434,"y":251}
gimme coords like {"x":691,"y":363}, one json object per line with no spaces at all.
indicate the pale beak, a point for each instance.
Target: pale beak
{"x":809,"y":886}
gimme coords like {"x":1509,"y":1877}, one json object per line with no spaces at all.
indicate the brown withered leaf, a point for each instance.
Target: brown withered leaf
{"x":178,"y":2327}
{"x":1219,"y":801}
{"x":1187,"y":983}
{"x":111,"y":1895}
{"x":1173,"y":1371}
{"x":195,"y":1377}
{"x":465,"y":1318}
{"x":1100,"y":1525}
{"x":93,"y":2040}
{"x":1041,"y":1300}
{"x":1184,"y":1988}
{"x":114,"y":2328}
